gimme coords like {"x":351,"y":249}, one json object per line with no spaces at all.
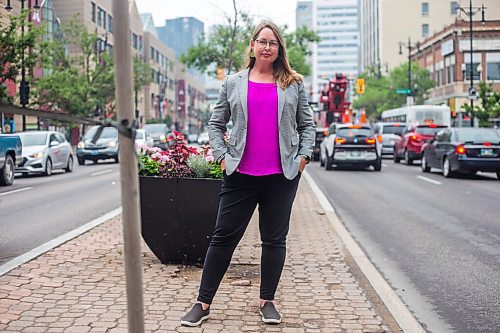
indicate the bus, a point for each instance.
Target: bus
{"x":419,"y":114}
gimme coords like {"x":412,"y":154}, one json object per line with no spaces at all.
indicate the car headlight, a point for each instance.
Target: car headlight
{"x":162,"y":138}
{"x":111,"y":144}
{"x":37,"y":155}
{"x":81,"y":144}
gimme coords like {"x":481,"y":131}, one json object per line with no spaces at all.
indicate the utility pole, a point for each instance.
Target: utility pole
{"x":128,"y":168}
{"x":409,"y":98}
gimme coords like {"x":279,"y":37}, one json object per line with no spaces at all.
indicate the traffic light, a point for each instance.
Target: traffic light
{"x":360,"y":86}
{"x":220,"y":73}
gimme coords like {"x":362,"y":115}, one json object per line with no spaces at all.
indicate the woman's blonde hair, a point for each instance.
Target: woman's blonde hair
{"x":283,"y":73}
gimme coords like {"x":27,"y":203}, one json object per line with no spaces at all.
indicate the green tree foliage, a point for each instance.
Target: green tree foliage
{"x":227,"y":44}
{"x":12,"y":46}
{"x":488,"y":105}
{"x":79,"y":81}
{"x":380,"y":92}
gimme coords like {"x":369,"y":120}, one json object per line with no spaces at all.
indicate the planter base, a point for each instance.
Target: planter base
{"x":178,"y":217}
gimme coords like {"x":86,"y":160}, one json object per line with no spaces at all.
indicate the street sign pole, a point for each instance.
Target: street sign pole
{"x":128,"y":167}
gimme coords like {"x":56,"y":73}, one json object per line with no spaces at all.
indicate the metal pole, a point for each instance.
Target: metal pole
{"x":409,"y":67}
{"x":471,"y":64}
{"x":128,"y":168}
{"x":23,"y":74}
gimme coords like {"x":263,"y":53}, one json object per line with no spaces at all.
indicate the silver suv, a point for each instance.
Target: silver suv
{"x":390,"y":132}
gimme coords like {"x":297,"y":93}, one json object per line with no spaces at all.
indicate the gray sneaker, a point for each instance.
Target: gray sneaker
{"x":269,"y":314}
{"x":196,"y":316}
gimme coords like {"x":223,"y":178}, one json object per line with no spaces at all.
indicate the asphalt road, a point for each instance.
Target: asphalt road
{"x":37,"y":209}
{"x":435,"y":240}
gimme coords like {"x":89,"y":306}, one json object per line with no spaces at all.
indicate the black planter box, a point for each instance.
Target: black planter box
{"x":178,"y":217}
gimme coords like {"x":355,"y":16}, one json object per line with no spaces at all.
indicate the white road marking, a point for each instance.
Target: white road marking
{"x":429,"y":180}
{"x":101,"y":172}
{"x":37,"y":251}
{"x":15,"y":191}
{"x":392,"y":301}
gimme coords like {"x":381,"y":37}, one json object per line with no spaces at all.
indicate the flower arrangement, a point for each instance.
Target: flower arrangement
{"x":179,"y":161}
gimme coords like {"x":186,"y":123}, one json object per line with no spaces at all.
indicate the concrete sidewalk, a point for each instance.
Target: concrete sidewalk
{"x":80,"y":285}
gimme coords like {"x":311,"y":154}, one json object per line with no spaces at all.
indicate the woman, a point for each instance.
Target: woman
{"x":270,"y":144}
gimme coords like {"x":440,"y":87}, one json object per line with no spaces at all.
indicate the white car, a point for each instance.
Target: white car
{"x":143,"y":138}
{"x":203,"y":139}
{"x":44,"y":151}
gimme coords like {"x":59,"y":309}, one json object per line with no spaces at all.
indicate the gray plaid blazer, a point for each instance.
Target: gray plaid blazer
{"x":295,"y":119}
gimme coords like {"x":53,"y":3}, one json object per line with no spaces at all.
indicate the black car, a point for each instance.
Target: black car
{"x":320,"y":135}
{"x":466,"y":150}
{"x":107,"y":146}
{"x":352,"y":145}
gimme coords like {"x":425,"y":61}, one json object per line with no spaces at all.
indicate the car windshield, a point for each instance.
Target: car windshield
{"x":477,"y":135}
{"x":156,"y":128}
{"x":139,"y":135}
{"x":38,"y":139}
{"x":393,"y":129}
{"x":107,"y":133}
{"x":354,"y":132}
{"x":425,"y":130}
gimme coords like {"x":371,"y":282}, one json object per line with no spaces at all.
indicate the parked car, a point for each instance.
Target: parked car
{"x":390,"y":133}
{"x":409,"y":145}
{"x":203,"y":138}
{"x":143,"y":138}
{"x":192,"y":137}
{"x":45,"y":151}
{"x":106,"y":147}
{"x":159,"y":133}
{"x":465,"y":150}
{"x":10,"y":156}
{"x":321,"y":132}
{"x":327,"y":143}
{"x":352,"y":145}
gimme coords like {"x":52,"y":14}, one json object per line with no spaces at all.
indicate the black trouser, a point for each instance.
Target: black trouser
{"x":239,"y":196}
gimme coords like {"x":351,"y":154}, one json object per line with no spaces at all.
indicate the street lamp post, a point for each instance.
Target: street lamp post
{"x":470,"y":12}
{"x":24,"y":88}
{"x":408,"y":45}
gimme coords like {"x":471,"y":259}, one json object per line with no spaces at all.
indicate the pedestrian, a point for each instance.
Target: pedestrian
{"x":270,"y":144}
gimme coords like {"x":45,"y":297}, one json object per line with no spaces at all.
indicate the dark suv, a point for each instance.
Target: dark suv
{"x":107,"y":146}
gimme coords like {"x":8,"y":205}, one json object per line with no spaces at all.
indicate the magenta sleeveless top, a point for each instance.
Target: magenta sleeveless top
{"x":262,"y":153}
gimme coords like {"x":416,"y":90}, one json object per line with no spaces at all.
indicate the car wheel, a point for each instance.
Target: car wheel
{"x":7,"y":172}
{"x":117,"y":159}
{"x":48,"y":167}
{"x":315,"y":157}
{"x":69,"y":165}
{"x":425,"y":167}
{"x":447,"y":168}
{"x":395,"y":157}
{"x":498,"y":174}
{"x":321,"y":161}
{"x":81,"y":161}
{"x":378,"y":165}
{"x":408,"y":160}
{"x":328,"y":163}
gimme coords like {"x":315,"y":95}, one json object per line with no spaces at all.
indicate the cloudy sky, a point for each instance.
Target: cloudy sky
{"x":213,"y":11}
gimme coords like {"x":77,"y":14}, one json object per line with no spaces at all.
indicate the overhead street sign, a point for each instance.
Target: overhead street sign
{"x":403,"y":91}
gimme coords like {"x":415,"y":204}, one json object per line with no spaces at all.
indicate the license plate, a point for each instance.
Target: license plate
{"x":486,"y":152}
{"x":94,"y":153}
{"x":354,"y":154}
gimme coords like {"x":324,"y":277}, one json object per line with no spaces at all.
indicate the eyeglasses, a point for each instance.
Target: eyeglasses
{"x":263,"y":43}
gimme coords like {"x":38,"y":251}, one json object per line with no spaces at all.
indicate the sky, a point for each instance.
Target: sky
{"x":213,"y":11}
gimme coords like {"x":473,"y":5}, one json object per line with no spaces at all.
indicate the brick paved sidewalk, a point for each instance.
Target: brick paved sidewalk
{"x":80,"y":286}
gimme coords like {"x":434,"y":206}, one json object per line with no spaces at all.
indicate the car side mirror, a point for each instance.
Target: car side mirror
{"x":53,"y":143}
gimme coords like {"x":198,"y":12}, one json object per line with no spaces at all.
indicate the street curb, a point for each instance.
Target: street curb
{"x":38,"y":251}
{"x":392,"y":301}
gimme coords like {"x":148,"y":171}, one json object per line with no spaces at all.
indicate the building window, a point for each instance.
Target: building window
{"x":425,"y":30}
{"x":101,"y":17}
{"x":425,"y":9}
{"x":454,"y":8}
{"x":134,"y":41}
{"x":93,"y":12}
{"x":493,"y":66}
{"x":110,"y":23}
{"x":152,"y":52}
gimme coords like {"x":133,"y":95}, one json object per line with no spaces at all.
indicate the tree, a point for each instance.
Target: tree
{"x":488,"y":106}
{"x":80,"y":82}
{"x":12,"y":47}
{"x":227,"y":44}
{"x":380,"y":93}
